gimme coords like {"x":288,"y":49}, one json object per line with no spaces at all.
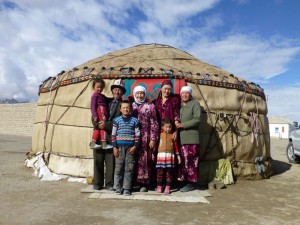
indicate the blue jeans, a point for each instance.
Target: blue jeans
{"x":124,"y":168}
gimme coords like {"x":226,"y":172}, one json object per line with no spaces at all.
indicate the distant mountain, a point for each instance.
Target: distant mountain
{"x":8,"y":101}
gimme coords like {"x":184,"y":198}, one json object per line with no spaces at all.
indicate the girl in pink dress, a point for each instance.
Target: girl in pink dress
{"x":99,"y":113}
{"x":167,"y":149}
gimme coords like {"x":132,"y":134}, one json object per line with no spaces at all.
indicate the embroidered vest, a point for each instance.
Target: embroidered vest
{"x":166,"y":143}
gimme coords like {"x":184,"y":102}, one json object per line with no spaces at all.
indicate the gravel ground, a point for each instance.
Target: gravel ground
{"x":26,"y":200}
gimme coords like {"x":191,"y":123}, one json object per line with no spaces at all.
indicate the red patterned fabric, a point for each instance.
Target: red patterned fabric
{"x":169,"y":109}
{"x":188,"y":168}
{"x":152,"y":86}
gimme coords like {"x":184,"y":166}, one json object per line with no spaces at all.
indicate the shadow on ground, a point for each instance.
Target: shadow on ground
{"x":280,"y":167}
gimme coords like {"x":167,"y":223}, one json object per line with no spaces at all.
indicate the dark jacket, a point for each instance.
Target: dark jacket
{"x":109,"y":122}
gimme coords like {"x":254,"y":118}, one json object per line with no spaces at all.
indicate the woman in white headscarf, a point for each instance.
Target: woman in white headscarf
{"x":190,"y":113}
{"x":145,"y":112}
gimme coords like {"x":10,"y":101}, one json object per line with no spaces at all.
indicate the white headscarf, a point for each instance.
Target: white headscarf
{"x":136,"y":89}
{"x":186,"y":88}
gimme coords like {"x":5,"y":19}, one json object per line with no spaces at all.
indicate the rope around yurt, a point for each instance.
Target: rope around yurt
{"x":230,"y":119}
{"x":191,"y":79}
{"x":61,"y":116}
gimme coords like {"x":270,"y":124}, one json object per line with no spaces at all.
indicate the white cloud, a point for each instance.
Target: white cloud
{"x":212,"y":23}
{"x":284,"y":102}
{"x":247,"y":56}
{"x":38,"y":4}
{"x":169,"y":13}
{"x":41,"y":40}
{"x":13,"y":81}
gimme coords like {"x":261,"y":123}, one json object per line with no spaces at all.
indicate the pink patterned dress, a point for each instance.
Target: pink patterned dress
{"x":146,"y":114}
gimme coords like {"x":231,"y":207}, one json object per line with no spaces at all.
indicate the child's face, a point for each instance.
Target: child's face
{"x":167,"y":128}
{"x":125,"y":109}
{"x":98,"y":87}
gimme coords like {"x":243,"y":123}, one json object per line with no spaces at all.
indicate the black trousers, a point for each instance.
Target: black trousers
{"x":103,"y":167}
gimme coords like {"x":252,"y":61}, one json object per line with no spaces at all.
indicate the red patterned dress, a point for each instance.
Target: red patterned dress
{"x":169,"y":109}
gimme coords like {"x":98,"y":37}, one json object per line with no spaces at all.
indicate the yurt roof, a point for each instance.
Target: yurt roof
{"x":150,"y":60}
{"x":156,"y":56}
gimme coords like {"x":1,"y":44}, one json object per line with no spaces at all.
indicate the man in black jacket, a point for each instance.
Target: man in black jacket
{"x":105,"y":156}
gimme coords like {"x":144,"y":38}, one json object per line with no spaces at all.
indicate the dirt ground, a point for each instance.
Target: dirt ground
{"x":26,"y":200}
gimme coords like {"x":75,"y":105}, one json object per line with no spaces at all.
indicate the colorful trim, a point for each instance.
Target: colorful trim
{"x":227,"y":85}
{"x":241,"y":86}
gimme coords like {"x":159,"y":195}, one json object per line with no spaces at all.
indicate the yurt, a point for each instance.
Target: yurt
{"x":234,"y":129}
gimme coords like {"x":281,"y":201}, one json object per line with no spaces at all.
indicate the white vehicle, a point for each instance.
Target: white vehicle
{"x":293,"y":148}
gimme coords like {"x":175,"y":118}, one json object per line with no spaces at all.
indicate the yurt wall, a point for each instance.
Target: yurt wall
{"x":63,"y":125}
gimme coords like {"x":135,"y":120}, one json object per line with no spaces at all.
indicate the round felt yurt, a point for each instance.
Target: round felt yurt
{"x":234,"y":129}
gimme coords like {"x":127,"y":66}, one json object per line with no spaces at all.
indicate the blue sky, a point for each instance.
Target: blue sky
{"x":253,"y":39}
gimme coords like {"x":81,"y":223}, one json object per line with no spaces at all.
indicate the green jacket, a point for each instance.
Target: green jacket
{"x":190,"y":119}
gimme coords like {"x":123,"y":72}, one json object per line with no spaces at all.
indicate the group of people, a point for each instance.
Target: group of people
{"x":142,"y":143}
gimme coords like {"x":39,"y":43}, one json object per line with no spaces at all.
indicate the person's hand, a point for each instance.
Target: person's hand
{"x":132,"y":150}
{"x":152,"y":144}
{"x":179,"y":125}
{"x":95,"y":119}
{"x":153,"y":156}
{"x":101,"y":125}
{"x":175,"y":136}
{"x":116,"y":152}
{"x":178,"y":159}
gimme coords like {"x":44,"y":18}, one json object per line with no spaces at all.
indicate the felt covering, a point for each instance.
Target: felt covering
{"x":234,"y":123}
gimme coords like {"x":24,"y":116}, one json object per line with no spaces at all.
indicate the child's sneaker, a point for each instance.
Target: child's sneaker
{"x":126,"y":192}
{"x":167,"y":190}
{"x":104,"y":145}
{"x":97,"y":146}
{"x":93,"y":145}
{"x":159,"y":189}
